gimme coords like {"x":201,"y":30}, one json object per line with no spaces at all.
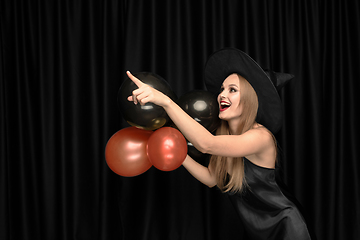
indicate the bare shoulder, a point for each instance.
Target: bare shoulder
{"x":260,"y":133}
{"x":266,"y":155}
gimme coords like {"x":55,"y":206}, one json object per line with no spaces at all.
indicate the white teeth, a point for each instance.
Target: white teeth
{"x":224,"y":104}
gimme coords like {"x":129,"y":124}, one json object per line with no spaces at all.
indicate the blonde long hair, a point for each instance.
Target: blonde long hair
{"x":235,"y":181}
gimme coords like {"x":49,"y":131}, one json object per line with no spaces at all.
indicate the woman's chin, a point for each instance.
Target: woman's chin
{"x":222,"y":117}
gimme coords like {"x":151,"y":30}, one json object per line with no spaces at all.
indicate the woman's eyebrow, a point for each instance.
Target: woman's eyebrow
{"x":230,"y":85}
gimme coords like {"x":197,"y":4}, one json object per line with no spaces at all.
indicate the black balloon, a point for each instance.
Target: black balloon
{"x":148,"y":116}
{"x":203,"y":107}
{"x":196,"y":154}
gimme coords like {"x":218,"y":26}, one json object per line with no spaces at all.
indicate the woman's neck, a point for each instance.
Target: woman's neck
{"x":234,"y":127}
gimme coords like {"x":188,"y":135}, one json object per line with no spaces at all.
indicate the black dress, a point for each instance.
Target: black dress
{"x":266,"y":212}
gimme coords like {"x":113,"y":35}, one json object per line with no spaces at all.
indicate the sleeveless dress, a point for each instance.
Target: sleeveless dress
{"x":265,"y":210}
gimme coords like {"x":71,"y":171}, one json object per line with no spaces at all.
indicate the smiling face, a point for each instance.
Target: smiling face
{"x":238,"y":103}
{"x":229,"y":98}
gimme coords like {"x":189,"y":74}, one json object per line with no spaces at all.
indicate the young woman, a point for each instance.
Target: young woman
{"x":244,"y":149}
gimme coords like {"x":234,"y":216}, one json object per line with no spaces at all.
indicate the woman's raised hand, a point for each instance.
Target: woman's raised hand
{"x":145,"y":93}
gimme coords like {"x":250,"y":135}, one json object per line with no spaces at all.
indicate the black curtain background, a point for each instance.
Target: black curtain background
{"x":62,"y":63}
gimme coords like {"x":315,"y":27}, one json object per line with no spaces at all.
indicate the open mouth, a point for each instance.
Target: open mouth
{"x":224,"y":105}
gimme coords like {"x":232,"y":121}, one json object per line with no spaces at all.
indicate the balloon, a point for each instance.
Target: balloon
{"x":167,"y":149}
{"x":196,"y":154}
{"x":148,"y":116}
{"x":203,"y":107}
{"x":125,"y":152}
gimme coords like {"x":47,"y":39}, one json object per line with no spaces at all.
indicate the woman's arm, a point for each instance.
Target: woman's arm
{"x":252,"y":142}
{"x":191,"y":129}
{"x":201,"y":173}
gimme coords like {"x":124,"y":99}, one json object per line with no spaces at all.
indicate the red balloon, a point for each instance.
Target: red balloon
{"x":167,"y":149}
{"x":125,"y":152}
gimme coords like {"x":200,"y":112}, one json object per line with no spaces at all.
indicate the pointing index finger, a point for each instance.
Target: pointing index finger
{"x":134,"y":79}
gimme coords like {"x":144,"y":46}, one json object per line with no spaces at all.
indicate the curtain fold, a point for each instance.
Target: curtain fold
{"x":340,"y":51}
{"x":57,"y":98}
{"x":62,"y":63}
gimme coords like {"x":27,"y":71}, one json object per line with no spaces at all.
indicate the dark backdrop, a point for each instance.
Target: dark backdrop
{"x":62,"y":63}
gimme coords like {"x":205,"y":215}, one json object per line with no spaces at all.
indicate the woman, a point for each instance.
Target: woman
{"x":244,"y":149}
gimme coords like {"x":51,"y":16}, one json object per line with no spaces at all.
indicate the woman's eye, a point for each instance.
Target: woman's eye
{"x":232,"y":90}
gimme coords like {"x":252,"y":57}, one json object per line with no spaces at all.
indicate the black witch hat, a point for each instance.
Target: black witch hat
{"x":265,"y":83}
